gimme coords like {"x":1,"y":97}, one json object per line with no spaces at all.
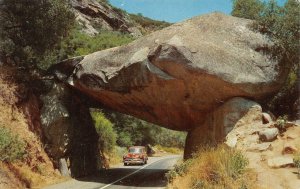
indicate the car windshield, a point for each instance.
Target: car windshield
{"x":135,"y":150}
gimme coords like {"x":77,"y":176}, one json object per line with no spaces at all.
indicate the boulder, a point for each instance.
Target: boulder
{"x":69,"y":130}
{"x":231,"y":141}
{"x":268,"y":135}
{"x":266,"y":118}
{"x":55,"y":121}
{"x":179,"y":76}
{"x":63,"y":167}
{"x":220,"y":122}
{"x":219,"y":59}
{"x":289,"y":148}
{"x":150,"y":150}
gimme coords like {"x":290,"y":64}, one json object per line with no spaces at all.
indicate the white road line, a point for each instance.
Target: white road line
{"x":128,"y":175}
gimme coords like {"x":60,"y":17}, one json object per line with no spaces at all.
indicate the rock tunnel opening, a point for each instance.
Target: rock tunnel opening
{"x":123,"y":131}
{"x":82,"y":132}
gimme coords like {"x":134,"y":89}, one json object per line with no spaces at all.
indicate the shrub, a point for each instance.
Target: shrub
{"x":280,"y":123}
{"x":296,"y":160}
{"x":168,"y":138}
{"x":179,"y":170}
{"x":79,"y":43}
{"x":82,"y":44}
{"x":146,"y":22}
{"x":237,"y":164}
{"x":212,"y":167}
{"x":31,"y":28}
{"x":124,"y":139}
{"x":116,"y":156}
{"x":104,"y":128}
{"x":11,"y":146}
{"x":250,"y":9}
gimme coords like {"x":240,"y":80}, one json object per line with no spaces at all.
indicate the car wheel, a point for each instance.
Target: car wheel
{"x":125,"y":164}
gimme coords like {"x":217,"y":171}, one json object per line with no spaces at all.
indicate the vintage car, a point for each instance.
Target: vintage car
{"x":135,"y":155}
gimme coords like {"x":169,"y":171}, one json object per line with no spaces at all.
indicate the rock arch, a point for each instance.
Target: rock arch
{"x":185,"y":77}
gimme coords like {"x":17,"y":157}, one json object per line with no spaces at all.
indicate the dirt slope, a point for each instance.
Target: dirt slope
{"x":35,"y":169}
{"x":272,"y":159}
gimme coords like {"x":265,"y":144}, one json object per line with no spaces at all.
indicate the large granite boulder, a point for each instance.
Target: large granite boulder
{"x":220,"y":122}
{"x":69,"y":131}
{"x":56,"y":121}
{"x":178,"y":76}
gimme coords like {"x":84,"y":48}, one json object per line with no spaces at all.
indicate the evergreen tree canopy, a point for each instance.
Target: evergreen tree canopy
{"x":282,"y":26}
{"x":29,"y":28}
{"x":249,"y":9}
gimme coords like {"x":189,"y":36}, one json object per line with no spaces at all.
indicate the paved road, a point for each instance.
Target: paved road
{"x":148,"y":176}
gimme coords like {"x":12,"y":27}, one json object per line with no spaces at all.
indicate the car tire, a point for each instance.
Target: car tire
{"x":125,"y":164}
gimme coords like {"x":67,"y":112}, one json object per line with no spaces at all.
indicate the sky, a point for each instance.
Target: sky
{"x":175,"y":10}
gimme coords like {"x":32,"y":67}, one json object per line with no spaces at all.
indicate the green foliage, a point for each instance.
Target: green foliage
{"x":29,"y":29}
{"x":269,"y":17}
{"x":168,"y":138}
{"x":83,"y":44}
{"x":133,"y":131}
{"x":148,"y":23}
{"x":237,"y":164}
{"x":281,"y":122}
{"x":104,"y":128}
{"x":179,"y":170}
{"x":11,"y":146}
{"x":296,"y":160}
{"x":124,"y":139}
{"x":250,"y":9}
{"x":78,"y":44}
{"x":282,"y":26}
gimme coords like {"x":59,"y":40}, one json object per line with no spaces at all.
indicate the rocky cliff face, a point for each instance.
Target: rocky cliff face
{"x":178,"y":76}
{"x":93,"y":15}
{"x":69,"y":130}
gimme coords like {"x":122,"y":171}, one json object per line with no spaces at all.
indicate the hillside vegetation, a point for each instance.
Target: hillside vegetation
{"x":23,"y":160}
{"x":148,"y":24}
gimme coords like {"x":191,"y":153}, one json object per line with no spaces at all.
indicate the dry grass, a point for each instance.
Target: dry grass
{"x":170,"y":150}
{"x":116,"y":156}
{"x":213,"y":168}
{"x":296,"y":160}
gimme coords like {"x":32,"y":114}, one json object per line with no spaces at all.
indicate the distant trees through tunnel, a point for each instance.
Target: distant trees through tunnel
{"x":119,"y":131}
